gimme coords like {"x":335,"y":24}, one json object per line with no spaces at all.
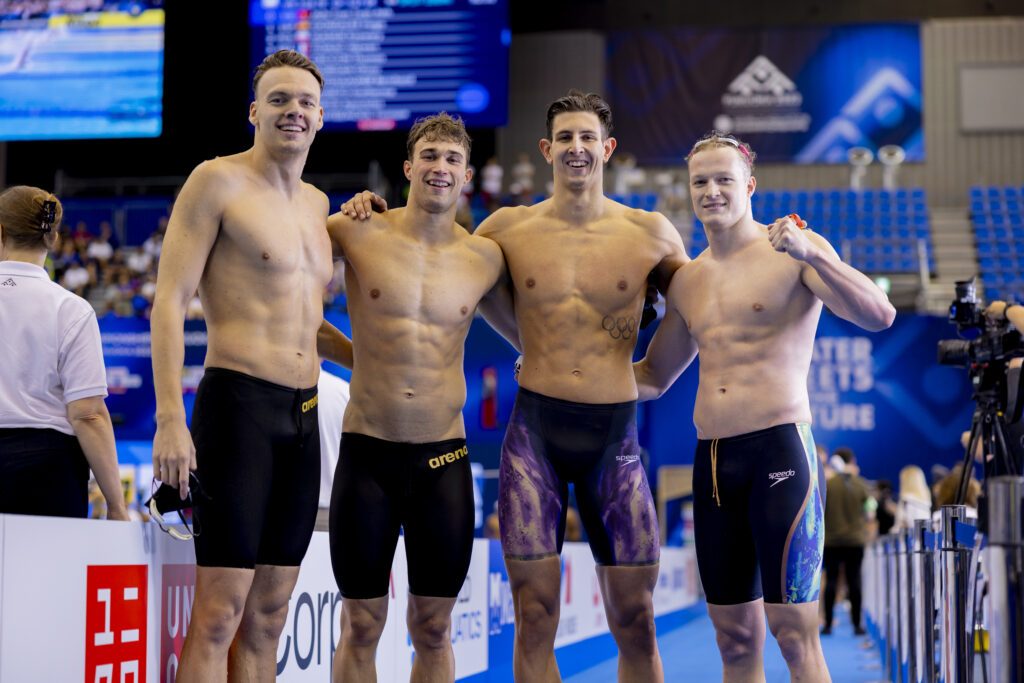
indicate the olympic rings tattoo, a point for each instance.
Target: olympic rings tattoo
{"x":619,"y":328}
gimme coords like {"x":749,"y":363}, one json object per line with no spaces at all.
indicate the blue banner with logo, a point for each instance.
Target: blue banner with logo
{"x":129,"y":361}
{"x":802,"y":94}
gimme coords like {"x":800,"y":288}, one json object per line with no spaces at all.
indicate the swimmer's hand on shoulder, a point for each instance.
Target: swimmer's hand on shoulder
{"x":363,"y":204}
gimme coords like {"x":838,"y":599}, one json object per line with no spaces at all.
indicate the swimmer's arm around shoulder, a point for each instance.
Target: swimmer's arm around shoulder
{"x":363,"y":205}
{"x":498,"y":305}
{"x":675,"y":252}
{"x":333,"y":345}
{"x":191,"y":232}
{"x":670,"y":352}
{"x":845,"y":290}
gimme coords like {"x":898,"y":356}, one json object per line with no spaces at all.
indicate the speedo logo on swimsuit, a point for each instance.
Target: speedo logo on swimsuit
{"x":310,"y":404}
{"x":448,"y":458}
{"x":779,"y":477}
{"x":633,"y":457}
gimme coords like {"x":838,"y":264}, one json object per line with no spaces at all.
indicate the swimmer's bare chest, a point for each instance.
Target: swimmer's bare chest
{"x":605,"y":271}
{"x":434,"y":287}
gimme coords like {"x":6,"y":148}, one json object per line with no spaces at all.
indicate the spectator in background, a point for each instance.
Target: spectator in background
{"x":81,"y":234}
{"x":936,"y":474}
{"x":64,"y":258}
{"x":915,"y":498}
{"x":54,"y":424}
{"x":100,"y":248}
{"x":153,"y":244}
{"x":490,"y":184}
{"x":846,"y":496}
{"x":886,"y":511}
{"x":522,"y":175}
{"x":947,"y":489}
{"x":139,"y":261}
{"x":76,"y":279}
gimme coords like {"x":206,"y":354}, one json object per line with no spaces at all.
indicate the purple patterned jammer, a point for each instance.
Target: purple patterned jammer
{"x":551,"y":443}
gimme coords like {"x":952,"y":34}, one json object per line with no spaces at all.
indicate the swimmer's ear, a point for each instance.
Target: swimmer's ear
{"x":252,"y":112}
{"x":545,"y":149}
{"x":407,"y":169}
{"x":320,"y":119}
{"x":609,"y":145}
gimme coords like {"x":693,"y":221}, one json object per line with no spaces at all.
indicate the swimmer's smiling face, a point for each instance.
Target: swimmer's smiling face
{"x":720,"y":186}
{"x":286,"y":111}
{"x":578,"y":148}
{"x":437,"y":173}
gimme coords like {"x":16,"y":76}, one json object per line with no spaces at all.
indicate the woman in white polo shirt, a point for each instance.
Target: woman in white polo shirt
{"x":54,"y":424}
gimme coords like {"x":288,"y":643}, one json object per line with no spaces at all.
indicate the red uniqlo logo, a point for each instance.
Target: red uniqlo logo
{"x":115,"y":624}
{"x":179,"y":590}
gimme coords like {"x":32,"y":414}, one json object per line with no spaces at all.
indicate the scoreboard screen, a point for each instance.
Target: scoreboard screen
{"x":388,"y":62}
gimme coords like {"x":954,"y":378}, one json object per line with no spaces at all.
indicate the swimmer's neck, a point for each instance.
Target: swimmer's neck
{"x":428,"y":226}
{"x":578,"y":205}
{"x":33,"y":256}
{"x":724,"y":241}
{"x":281,"y":171}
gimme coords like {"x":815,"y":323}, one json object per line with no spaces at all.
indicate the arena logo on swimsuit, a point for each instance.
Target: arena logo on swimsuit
{"x":448,"y":457}
{"x":310,"y":404}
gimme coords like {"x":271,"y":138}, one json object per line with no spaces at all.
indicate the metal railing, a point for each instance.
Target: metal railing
{"x":944,"y":602}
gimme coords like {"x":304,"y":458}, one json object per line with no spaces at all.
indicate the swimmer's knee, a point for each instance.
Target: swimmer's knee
{"x":794,"y":642}
{"x":738,"y":642}
{"x":361,"y":625}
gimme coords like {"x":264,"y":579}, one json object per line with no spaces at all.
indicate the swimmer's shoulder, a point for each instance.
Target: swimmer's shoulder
{"x":508,"y":218}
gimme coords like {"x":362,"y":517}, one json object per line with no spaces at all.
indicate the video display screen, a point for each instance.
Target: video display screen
{"x":72,"y":69}
{"x":388,"y":62}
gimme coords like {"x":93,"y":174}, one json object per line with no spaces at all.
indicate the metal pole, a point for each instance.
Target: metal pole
{"x":909,"y":611}
{"x":1005,"y":564}
{"x":922,"y":585}
{"x":892,"y":609}
{"x":955,"y":658}
{"x":903,"y":615}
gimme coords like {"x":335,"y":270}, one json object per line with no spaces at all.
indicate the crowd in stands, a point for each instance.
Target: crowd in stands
{"x":117,"y":280}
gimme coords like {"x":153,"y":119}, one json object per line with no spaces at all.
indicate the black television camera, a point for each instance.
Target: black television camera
{"x":985,"y":349}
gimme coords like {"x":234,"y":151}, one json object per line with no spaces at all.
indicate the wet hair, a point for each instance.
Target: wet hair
{"x":440,"y":126}
{"x":30,"y":217}
{"x":287,"y":58}
{"x":577,"y":100}
{"x":715,"y":140}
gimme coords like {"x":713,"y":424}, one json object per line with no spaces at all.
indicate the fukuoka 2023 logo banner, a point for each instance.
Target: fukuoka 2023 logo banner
{"x":798,"y":94}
